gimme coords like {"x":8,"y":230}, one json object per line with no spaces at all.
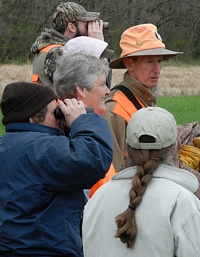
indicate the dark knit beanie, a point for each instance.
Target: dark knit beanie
{"x":21,"y":100}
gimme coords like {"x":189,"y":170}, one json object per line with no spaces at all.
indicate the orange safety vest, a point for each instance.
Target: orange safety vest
{"x":124,"y":107}
{"x":126,"y":104}
{"x":111,"y":172}
{"x":41,"y":59}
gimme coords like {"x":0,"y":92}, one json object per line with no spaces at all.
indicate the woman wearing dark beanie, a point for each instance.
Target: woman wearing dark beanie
{"x":43,"y":174}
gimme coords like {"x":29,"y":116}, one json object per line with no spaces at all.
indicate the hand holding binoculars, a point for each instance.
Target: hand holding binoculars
{"x":59,"y":114}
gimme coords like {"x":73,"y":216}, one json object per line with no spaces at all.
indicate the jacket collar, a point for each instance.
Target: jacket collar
{"x":146,"y":96}
{"x":166,"y":171}
{"x":33,"y":127}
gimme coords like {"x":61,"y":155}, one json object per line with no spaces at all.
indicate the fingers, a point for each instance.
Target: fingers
{"x":71,"y":109}
{"x":73,"y":102}
{"x":70,"y":103}
{"x":95,"y":25}
{"x":95,"y":29}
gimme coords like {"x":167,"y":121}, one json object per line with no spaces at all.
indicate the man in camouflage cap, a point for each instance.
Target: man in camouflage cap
{"x":70,"y":20}
{"x":71,"y":12}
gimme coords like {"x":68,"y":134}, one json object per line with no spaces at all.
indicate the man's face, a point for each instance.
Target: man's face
{"x":81,"y":28}
{"x":146,"y":69}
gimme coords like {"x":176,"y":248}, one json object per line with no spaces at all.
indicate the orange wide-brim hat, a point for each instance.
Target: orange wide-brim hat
{"x":141,"y":40}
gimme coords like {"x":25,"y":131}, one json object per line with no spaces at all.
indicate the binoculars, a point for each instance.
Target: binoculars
{"x":105,"y":25}
{"x":58,"y":114}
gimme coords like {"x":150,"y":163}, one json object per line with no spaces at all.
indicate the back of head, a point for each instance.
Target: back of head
{"x":158,"y":125}
{"x":71,"y":12}
{"x":155,"y":122}
{"x":77,"y":69}
{"x":21,"y":100}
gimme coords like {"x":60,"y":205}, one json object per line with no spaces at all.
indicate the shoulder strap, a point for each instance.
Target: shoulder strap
{"x":46,"y":49}
{"x":129,"y":95}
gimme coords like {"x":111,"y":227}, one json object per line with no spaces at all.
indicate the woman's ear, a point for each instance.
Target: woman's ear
{"x":33,"y":120}
{"x":80,"y":92}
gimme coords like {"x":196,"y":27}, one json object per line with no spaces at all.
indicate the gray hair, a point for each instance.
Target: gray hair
{"x":77,"y":69}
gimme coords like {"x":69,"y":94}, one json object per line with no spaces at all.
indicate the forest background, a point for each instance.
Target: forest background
{"x":178,"y":22}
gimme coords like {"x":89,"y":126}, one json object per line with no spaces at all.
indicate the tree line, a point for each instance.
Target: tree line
{"x":178,"y":22}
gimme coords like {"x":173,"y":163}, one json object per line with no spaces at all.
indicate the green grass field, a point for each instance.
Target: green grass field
{"x":184,"y":108}
{"x":1,"y":125}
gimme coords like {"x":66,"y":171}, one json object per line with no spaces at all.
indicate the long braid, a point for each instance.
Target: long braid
{"x":147,"y":162}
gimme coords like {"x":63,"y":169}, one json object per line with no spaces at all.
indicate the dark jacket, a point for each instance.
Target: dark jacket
{"x":42,"y":177}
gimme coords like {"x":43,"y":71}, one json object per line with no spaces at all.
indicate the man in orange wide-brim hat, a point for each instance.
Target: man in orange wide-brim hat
{"x":142,"y":55}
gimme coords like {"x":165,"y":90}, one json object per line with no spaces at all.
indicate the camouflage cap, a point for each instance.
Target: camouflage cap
{"x":70,"y":11}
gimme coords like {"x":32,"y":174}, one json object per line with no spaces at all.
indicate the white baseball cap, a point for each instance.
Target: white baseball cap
{"x":153,"y":121}
{"x":85,"y":44}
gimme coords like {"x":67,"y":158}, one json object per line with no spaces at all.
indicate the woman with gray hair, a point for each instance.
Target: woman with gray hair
{"x":83,"y":76}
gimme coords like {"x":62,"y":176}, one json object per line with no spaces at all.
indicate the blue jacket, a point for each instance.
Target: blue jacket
{"x":42,"y":177}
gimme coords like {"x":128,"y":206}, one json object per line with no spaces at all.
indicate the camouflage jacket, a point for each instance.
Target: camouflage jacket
{"x":45,"y":65}
{"x":49,"y":37}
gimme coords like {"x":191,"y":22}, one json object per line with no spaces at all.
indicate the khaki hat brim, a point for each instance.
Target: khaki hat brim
{"x":167,"y":54}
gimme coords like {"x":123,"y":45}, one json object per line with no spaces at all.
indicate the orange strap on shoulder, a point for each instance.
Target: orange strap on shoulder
{"x":124,"y":107}
{"x":49,"y":47}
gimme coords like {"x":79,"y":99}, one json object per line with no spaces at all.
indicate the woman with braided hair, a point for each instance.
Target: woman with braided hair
{"x":147,"y":162}
{"x":149,"y":208}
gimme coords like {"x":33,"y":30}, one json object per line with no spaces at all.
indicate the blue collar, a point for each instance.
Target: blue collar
{"x":34,"y":127}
